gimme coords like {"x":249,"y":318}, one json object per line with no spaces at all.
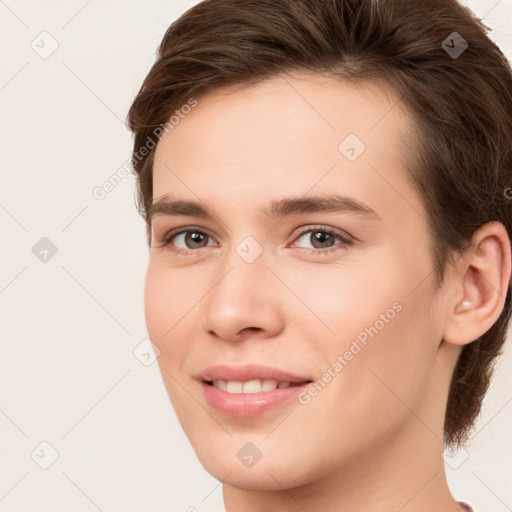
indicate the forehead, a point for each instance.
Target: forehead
{"x":288,"y":134}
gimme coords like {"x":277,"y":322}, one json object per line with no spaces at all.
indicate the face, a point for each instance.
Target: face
{"x":307,"y":253}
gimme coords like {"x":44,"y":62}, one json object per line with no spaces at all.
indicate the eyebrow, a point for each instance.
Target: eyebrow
{"x":278,"y":208}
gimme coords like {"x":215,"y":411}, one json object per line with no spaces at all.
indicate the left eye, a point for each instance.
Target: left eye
{"x":323,"y":238}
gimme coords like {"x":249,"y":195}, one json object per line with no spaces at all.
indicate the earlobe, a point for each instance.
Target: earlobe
{"x":470,"y":285}
{"x":481,"y":281}
{"x":464,"y":305}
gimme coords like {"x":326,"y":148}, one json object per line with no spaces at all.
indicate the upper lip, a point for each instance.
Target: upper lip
{"x":249,"y":372}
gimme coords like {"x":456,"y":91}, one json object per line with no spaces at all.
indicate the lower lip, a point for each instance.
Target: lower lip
{"x":248,"y":405}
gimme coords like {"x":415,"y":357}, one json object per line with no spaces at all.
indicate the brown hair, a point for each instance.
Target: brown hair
{"x":461,"y":158}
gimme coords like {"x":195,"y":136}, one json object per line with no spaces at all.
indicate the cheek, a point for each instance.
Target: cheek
{"x":376,"y":322}
{"x":389,"y":374}
{"x":168,"y":295}
{"x":169,"y":299}
{"x":158,"y":303}
{"x":168,"y":307}
{"x":382,"y":375}
{"x":336,"y":303}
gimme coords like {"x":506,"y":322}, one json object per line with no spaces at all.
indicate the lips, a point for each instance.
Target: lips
{"x":249,"y":391}
{"x":250,"y":372}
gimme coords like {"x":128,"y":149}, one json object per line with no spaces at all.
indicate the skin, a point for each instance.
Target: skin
{"x":371,"y":440}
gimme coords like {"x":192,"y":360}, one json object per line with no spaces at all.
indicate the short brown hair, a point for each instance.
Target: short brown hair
{"x":461,"y":158}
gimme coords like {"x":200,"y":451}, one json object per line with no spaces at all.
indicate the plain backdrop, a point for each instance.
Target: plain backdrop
{"x":77,"y":393}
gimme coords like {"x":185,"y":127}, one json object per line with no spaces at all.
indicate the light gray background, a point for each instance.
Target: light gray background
{"x":68,"y":374}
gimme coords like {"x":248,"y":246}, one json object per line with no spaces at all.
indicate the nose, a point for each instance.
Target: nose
{"x":244,"y":300}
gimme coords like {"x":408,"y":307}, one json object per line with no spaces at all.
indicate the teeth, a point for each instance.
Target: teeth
{"x":221,"y":384}
{"x":250,"y":386}
{"x":234,"y":387}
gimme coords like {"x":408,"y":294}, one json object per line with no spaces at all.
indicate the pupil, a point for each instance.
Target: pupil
{"x":196,"y":238}
{"x":321,"y":237}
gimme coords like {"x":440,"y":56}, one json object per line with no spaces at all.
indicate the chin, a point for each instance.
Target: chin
{"x":269,"y":473}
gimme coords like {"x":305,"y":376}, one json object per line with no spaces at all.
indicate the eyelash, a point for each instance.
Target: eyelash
{"x":166,"y":240}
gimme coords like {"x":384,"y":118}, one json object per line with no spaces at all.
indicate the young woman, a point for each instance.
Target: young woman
{"x":326,"y":189}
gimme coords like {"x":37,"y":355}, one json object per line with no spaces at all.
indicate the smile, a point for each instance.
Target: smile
{"x":251,"y":386}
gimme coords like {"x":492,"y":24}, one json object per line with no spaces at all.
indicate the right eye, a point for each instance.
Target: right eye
{"x":190,"y":239}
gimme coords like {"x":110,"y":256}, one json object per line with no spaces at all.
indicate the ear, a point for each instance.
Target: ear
{"x":480,"y":283}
